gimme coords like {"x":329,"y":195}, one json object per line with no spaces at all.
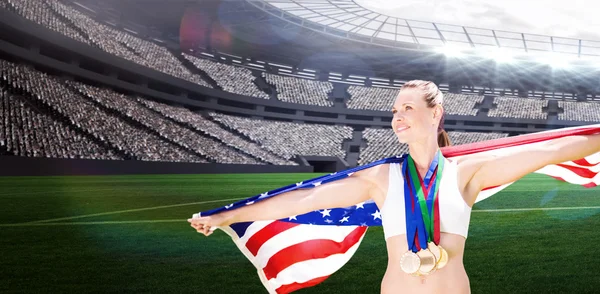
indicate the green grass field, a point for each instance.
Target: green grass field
{"x":130,"y":234}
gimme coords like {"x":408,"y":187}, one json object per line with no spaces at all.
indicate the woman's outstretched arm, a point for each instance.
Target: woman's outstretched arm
{"x":488,"y":171}
{"x":340,"y":193}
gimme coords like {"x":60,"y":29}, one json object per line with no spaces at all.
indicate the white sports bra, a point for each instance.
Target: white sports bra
{"x":455,"y":214}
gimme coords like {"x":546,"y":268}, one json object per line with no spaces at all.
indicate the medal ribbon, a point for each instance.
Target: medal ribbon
{"x":414,"y":224}
{"x":426,"y":215}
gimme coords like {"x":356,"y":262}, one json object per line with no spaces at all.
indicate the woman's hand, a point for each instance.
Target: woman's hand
{"x":206,"y":225}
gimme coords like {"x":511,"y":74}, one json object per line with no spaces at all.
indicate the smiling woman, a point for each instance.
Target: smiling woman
{"x":422,"y":199}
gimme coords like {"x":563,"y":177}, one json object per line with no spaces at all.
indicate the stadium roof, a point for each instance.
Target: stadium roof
{"x":346,"y":18}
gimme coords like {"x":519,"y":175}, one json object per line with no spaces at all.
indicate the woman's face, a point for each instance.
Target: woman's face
{"x":412,"y":119}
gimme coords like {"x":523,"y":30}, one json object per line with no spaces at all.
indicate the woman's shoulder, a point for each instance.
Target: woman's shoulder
{"x":377,"y":174}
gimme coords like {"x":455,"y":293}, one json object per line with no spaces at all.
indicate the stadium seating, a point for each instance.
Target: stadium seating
{"x":372,"y":98}
{"x":383,"y":143}
{"x":231,"y":78}
{"x":289,"y":139}
{"x":210,"y":128}
{"x":302,"y":91}
{"x":519,"y":108}
{"x":39,"y":12}
{"x":27,"y":132}
{"x":81,"y":113}
{"x":579,"y":111}
{"x":166,"y":128}
{"x":113,"y":41}
{"x":461,"y":104}
{"x":382,"y":99}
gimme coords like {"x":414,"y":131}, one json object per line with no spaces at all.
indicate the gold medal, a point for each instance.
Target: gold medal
{"x":435,"y":250}
{"x":410,"y":262}
{"x":443,"y":259}
{"x":428,"y":262}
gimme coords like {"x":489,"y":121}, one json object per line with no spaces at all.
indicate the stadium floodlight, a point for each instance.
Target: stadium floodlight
{"x":556,"y":60}
{"x":450,"y":50}
{"x":502,"y":55}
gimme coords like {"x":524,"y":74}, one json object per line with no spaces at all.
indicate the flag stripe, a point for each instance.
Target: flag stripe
{"x":304,"y":271}
{"x":266,"y":233}
{"x":299,"y":234}
{"x":584,"y":162}
{"x":297,"y":286}
{"x":580,"y":171}
{"x":303,"y":251}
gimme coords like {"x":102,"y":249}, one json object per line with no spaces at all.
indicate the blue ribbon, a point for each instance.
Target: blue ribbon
{"x":415,"y":218}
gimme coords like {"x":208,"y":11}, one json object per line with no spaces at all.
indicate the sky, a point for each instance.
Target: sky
{"x":570,"y":19}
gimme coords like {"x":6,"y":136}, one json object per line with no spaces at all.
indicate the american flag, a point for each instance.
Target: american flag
{"x":304,"y":250}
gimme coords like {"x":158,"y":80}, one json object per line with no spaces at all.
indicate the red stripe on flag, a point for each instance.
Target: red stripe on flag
{"x":266,"y":233}
{"x":580,"y":171}
{"x":311,"y":249}
{"x":584,"y":162}
{"x":284,"y":289}
{"x":492,"y":187}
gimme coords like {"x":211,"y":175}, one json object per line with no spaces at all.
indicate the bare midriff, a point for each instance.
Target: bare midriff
{"x":452,"y":279}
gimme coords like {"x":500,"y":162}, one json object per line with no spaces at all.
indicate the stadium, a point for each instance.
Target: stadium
{"x":121,"y":119}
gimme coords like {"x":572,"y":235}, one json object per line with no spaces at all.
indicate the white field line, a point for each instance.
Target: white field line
{"x":129,"y":210}
{"x":46,"y":222}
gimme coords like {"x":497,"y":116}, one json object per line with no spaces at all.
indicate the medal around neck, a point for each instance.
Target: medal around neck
{"x":410,"y":262}
{"x":422,"y":218}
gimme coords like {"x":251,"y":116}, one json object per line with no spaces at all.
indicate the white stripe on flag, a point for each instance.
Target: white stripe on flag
{"x":299,"y":234}
{"x":313,"y":268}
{"x":252,"y":229}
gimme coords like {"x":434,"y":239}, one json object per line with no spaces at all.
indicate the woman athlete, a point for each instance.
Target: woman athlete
{"x":417,"y":120}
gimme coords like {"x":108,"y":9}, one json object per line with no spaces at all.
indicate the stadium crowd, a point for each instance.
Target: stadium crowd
{"x":519,"y":108}
{"x":579,"y":111}
{"x":81,"y":27}
{"x":50,"y":92}
{"x":234,"y":79}
{"x":213,"y":129}
{"x":301,"y":91}
{"x":26,"y":132}
{"x":288,"y":139}
{"x":382,"y":99}
{"x":165,"y":128}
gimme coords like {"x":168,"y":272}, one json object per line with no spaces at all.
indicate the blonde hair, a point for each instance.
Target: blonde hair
{"x":433,"y":96}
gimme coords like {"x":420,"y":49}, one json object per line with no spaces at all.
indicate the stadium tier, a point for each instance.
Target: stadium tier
{"x":376,"y":98}
{"x":25,"y":131}
{"x":74,"y":24}
{"x":213,"y":129}
{"x":519,"y":108}
{"x":579,"y":111}
{"x":55,"y":96}
{"x":289,"y":139}
{"x":302,"y":91}
{"x":165,"y":128}
{"x":234,"y":79}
